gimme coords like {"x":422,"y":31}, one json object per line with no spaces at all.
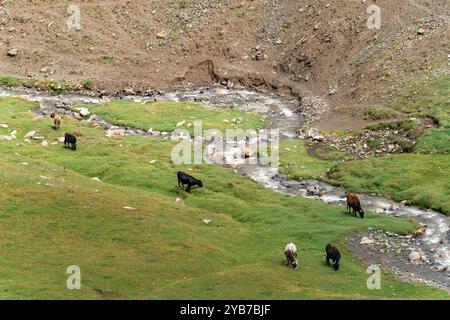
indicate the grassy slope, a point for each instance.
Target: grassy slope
{"x":51,"y":218}
{"x":164,"y":116}
{"x":434,"y":141}
{"x":427,"y":97}
{"x":421,"y":177}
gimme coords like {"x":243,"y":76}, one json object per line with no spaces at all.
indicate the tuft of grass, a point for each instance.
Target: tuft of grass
{"x":182,"y":4}
{"x":405,"y":125}
{"x":379,"y":113}
{"x":374,"y":144}
{"x":10,"y":81}
{"x":54,"y":215}
{"x":88,"y":84}
{"x":106,"y":59}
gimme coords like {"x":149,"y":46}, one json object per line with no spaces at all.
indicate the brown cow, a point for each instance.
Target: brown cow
{"x":353,"y":203}
{"x":56,"y":120}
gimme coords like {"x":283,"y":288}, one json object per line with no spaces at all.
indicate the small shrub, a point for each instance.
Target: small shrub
{"x":379,"y":113}
{"x":10,"y":81}
{"x":88,"y":84}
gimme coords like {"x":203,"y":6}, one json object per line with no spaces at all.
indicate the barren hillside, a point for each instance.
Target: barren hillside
{"x":310,"y":47}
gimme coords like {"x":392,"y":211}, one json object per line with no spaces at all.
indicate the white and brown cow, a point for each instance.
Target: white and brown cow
{"x":290,"y":251}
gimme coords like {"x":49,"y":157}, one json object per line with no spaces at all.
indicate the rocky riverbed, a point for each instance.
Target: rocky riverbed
{"x":402,"y":255}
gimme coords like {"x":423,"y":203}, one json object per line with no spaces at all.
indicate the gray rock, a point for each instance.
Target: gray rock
{"x":414,"y":256}
{"x":6,"y":138}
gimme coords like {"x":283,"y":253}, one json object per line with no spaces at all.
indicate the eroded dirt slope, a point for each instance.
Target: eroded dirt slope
{"x":310,"y":47}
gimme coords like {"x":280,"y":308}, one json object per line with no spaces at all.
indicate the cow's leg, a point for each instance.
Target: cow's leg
{"x":327,"y":260}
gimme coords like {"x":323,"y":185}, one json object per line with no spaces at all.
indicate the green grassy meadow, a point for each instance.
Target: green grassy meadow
{"x":298,"y":164}
{"x":165,"y":116}
{"x":52,"y":215}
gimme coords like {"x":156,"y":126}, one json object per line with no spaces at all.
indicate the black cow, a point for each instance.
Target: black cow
{"x":71,"y":141}
{"x":333,"y":254}
{"x":185,"y":179}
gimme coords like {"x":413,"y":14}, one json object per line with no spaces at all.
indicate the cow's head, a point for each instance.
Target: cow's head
{"x":361,"y":213}
{"x":200,"y":183}
{"x":294,"y":264}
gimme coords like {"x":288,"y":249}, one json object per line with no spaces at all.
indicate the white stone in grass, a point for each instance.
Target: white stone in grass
{"x":238,"y":120}
{"x":30,"y":134}
{"x":3,"y":125}
{"x":206,"y":221}
{"x":84,"y":112}
{"x":96,"y":179}
{"x":129,"y":208}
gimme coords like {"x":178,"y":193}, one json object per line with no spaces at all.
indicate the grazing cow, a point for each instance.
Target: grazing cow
{"x":290,"y":251}
{"x":353,"y":203}
{"x":71,"y":141}
{"x":56,"y":120}
{"x":184,"y":178}
{"x":333,"y":254}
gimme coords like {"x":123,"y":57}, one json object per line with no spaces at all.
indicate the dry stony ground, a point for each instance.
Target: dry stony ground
{"x":303,"y":46}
